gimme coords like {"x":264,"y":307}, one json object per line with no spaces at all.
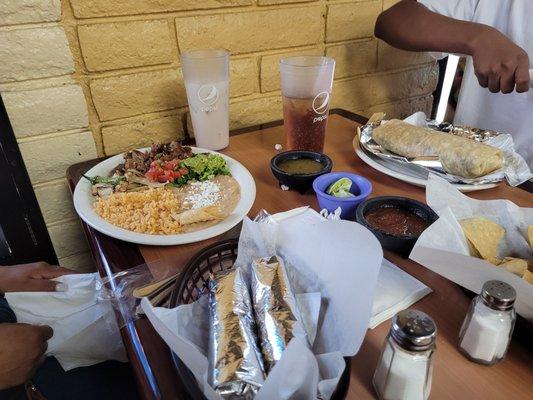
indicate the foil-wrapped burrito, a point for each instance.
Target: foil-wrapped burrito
{"x":277,"y":316}
{"x":235,"y":365}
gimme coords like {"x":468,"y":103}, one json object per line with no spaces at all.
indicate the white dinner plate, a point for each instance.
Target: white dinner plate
{"x":412,"y":176}
{"x":83,"y":203}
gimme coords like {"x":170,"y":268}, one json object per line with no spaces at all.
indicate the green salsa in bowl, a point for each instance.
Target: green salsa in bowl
{"x":297,"y":169}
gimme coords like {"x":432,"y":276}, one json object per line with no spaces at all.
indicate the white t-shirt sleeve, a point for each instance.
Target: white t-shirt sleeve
{"x":458,"y":9}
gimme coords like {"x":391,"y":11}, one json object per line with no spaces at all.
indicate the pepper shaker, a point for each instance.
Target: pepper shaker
{"x":489,"y":324}
{"x":405,"y":367}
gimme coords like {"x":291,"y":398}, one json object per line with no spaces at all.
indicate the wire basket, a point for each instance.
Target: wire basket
{"x":192,"y":284}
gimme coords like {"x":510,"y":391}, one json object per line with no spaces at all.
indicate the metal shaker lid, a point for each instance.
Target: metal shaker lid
{"x":498,"y":295}
{"x":413,"y":330}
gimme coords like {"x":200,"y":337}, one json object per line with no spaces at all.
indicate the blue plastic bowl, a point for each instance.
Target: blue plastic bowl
{"x":361,"y":188}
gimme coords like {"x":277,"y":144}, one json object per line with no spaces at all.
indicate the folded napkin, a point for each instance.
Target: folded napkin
{"x":85,"y":329}
{"x":396,"y":291}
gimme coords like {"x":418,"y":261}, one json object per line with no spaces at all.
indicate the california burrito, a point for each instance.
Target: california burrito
{"x":458,"y":155}
{"x":277,"y":316}
{"x":235,"y":367}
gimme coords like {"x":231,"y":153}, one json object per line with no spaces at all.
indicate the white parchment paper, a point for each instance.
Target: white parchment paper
{"x":338,"y":259}
{"x":396,"y":290}
{"x":443,"y":247}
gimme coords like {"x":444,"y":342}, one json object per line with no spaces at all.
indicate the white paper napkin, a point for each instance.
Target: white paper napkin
{"x":396,"y":291}
{"x":85,"y":329}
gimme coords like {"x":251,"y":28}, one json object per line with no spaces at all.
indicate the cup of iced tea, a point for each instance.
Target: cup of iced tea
{"x":306,"y":83}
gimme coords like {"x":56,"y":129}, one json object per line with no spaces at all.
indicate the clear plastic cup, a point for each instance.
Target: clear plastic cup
{"x":306,"y":83}
{"x":206,"y":77}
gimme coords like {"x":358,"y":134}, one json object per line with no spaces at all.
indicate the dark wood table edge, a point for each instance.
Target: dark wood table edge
{"x":127,"y":255}
{"x":145,"y":378}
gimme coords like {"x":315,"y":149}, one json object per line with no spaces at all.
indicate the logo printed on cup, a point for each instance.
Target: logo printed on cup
{"x":208,"y":96}
{"x":320,"y":105}
{"x":320,"y":102}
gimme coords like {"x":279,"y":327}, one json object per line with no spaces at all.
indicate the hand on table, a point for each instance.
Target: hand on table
{"x":500,"y":64}
{"x":22,"y":349}
{"x":33,"y":277}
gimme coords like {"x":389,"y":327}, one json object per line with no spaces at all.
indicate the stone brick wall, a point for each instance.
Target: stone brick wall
{"x":127,"y":56}
{"x":48,"y":110}
{"x":81,"y":77}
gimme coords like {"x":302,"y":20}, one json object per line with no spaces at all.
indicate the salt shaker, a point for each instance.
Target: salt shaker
{"x":405,"y":367}
{"x":489,"y":324}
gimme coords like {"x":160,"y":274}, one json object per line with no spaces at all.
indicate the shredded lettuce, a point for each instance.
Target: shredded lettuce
{"x":204,"y":166}
{"x":108,"y":180}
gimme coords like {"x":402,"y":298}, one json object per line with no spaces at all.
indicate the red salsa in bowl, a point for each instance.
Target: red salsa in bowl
{"x":396,"y":221}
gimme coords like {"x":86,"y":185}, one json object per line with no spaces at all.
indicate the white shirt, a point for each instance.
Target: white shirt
{"x":511,"y":113}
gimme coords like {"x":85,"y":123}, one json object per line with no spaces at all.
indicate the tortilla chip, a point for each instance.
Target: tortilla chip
{"x":473,"y":251}
{"x":516,"y":266}
{"x":530,"y":235}
{"x":485,"y":236}
{"x":528,"y":276}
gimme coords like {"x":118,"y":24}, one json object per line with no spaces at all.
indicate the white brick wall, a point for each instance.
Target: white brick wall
{"x":26,"y":11}
{"x":34,"y":112}
{"x":68,"y":238}
{"x":82,"y":262}
{"x":55,"y":200}
{"x":48,"y":157}
{"x":49,"y":115}
{"x":34,"y":53}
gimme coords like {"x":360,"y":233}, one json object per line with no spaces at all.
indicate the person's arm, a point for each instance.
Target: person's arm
{"x":34,"y":277}
{"x":499,"y":64}
{"x":22,"y":346}
{"x":22,"y":349}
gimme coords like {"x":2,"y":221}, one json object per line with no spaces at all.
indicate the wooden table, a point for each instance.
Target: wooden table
{"x":454,"y":377}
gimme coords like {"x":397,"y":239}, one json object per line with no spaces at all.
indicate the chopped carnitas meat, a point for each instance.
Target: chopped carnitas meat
{"x":133,"y":176}
{"x":140,"y":161}
{"x":102,"y":190}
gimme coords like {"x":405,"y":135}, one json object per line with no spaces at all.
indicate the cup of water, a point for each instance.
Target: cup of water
{"x":206,"y":76}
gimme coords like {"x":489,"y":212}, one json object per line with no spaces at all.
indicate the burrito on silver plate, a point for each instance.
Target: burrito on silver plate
{"x":458,"y":155}
{"x":277,"y":316}
{"x":235,"y":365}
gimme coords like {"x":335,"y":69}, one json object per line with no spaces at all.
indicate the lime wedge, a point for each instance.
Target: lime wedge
{"x":344,"y":194}
{"x":340,"y":188}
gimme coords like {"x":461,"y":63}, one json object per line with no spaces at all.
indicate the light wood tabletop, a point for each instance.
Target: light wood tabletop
{"x":454,"y":377}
